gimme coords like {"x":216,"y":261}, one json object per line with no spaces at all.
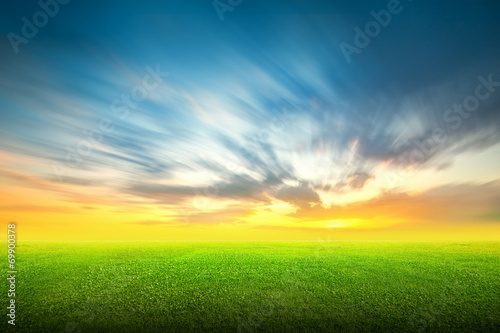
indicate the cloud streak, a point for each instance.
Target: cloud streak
{"x":256,"y":112}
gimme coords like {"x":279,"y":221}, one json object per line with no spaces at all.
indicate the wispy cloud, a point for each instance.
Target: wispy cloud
{"x":254,"y":112}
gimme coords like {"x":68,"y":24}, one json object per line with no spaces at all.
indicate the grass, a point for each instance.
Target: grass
{"x":256,"y":287}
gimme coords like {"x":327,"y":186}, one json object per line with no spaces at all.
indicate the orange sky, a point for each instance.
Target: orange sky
{"x":48,"y":209}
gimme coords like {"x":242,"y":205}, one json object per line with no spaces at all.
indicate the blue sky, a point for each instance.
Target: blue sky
{"x":257,"y":110}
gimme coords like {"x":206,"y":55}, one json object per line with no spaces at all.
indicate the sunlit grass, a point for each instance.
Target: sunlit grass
{"x":257,"y":286}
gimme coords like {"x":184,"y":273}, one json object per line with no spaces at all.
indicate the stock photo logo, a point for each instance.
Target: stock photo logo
{"x":372,"y":29}
{"x":250,"y":166}
{"x":30,"y":28}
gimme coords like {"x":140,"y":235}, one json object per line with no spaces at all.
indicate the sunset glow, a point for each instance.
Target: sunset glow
{"x":254,"y":128}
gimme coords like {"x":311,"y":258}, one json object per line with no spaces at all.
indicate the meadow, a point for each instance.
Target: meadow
{"x":261,"y":286}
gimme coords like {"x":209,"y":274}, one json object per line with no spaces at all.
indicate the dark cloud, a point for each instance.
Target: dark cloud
{"x":162,"y":194}
{"x":358,"y":180}
{"x":453,"y":203}
{"x":240,"y":187}
{"x":259,"y":156}
{"x":300,"y":196}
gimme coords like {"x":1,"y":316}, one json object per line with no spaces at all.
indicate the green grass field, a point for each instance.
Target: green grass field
{"x":256,"y":287}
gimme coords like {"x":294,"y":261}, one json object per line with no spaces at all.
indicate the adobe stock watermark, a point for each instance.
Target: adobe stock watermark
{"x":372,"y":29}
{"x":225,"y":6}
{"x":11,"y":273}
{"x":470,"y":103}
{"x":454,"y":118}
{"x":120,"y":107}
{"x":29,"y":29}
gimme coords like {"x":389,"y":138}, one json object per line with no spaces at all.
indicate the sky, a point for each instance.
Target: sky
{"x":250,"y":120}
